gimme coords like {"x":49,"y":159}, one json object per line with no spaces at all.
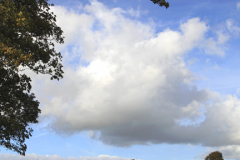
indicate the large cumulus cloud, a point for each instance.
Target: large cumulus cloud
{"x":127,"y":85}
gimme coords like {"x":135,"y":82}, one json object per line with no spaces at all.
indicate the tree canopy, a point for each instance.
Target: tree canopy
{"x":28,"y":31}
{"x":214,"y":156}
{"x":161,"y":3}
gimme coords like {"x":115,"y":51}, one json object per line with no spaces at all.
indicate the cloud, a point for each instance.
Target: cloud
{"x":232,"y":28}
{"x":228,"y":152}
{"x":238,"y":91}
{"x":136,"y":13}
{"x":135,"y":87}
{"x":216,"y":47}
{"x":238,"y":5}
{"x":192,"y":61}
{"x":56,"y":157}
{"x":40,"y":135}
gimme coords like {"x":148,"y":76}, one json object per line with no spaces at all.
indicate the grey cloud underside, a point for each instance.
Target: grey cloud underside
{"x":136,"y":88}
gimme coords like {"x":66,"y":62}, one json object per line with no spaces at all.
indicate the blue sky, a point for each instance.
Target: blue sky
{"x":141,"y":82}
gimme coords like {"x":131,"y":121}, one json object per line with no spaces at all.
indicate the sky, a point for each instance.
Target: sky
{"x":141,"y":82}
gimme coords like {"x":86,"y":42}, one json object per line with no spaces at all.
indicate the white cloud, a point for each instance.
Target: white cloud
{"x":136,"y":88}
{"x":56,"y":157}
{"x":222,"y":38}
{"x":192,"y":61}
{"x":216,"y":47}
{"x":232,"y":28}
{"x":137,"y":13}
{"x":212,"y":47}
{"x":238,"y":5}
{"x":212,"y":65}
{"x":230,"y":152}
{"x":238,"y":91}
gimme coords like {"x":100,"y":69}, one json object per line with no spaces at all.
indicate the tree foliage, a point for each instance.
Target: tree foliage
{"x":214,"y":156}
{"x":161,"y":3}
{"x":28,"y":31}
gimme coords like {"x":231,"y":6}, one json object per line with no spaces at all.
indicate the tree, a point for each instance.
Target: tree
{"x":214,"y":156}
{"x":161,"y":3}
{"x":28,"y":31}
